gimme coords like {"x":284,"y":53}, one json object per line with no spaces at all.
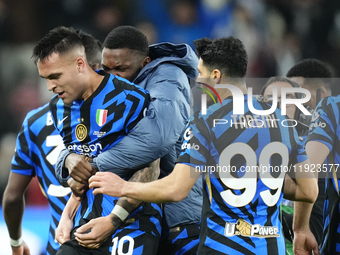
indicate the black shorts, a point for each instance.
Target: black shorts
{"x":183,"y":239}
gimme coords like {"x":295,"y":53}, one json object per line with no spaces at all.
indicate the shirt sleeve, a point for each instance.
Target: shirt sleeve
{"x":324,"y":123}
{"x":60,"y":171}
{"x":196,"y":145}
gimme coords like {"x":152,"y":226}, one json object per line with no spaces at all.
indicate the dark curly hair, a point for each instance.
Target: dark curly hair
{"x":314,"y":71}
{"x":310,"y":68}
{"x":127,"y":37}
{"x":58,"y":40}
{"x":226,"y":54}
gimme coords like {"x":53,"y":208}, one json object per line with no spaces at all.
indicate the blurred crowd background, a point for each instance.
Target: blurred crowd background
{"x":276,"y":34}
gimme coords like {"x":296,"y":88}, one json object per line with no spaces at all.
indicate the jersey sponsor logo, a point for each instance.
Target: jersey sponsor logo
{"x":190,"y":146}
{"x":81,"y":132}
{"x":101,"y":117}
{"x":315,"y":122}
{"x":315,"y":116}
{"x":86,"y":149}
{"x":61,"y":121}
{"x":243,"y":228}
{"x":188,"y":134}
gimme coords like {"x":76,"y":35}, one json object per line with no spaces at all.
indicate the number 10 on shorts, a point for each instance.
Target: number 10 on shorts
{"x":120,"y":251}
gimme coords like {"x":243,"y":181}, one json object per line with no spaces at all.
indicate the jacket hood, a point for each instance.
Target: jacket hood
{"x":181,"y":55}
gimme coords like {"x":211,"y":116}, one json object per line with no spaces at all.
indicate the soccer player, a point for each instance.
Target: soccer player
{"x":163,"y":69}
{"x":93,"y":111}
{"x":240,"y":206}
{"x":312,"y":74}
{"x":322,"y":142}
{"x":302,"y":126}
{"x":38,"y":146}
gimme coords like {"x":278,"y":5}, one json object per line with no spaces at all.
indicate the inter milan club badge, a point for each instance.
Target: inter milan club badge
{"x":101,"y":117}
{"x":81,"y":132}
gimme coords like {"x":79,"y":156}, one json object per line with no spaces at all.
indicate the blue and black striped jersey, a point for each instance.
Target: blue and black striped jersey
{"x":37,"y":149}
{"x":96,"y":125}
{"x":244,"y":159}
{"x":324,"y":128}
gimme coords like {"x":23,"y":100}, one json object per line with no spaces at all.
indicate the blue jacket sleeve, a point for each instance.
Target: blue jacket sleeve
{"x":158,"y":131}
{"x":60,"y":171}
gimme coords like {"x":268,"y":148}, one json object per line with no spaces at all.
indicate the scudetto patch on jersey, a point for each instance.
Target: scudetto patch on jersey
{"x":101,"y":117}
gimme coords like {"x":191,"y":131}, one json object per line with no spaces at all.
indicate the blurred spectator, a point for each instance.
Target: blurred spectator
{"x":149,"y":29}
{"x":104,"y":19}
{"x":22,"y":99}
{"x":184,"y":25}
{"x":5,"y":23}
{"x":176,"y":21}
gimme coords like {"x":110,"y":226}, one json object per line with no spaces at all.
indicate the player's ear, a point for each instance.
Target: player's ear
{"x":81,"y":64}
{"x":146,"y":61}
{"x":216,"y":75}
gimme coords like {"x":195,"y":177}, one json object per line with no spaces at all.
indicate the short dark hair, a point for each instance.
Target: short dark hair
{"x":93,"y":48}
{"x":310,"y":68}
{"x":127,"y":37}
{"x":58,"y":40}
{"x":226,"y":54}
{"x":314,"y":71}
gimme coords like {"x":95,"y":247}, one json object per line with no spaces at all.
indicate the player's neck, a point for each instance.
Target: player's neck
{"x":227,"y":93}
{"x":94,"y":82}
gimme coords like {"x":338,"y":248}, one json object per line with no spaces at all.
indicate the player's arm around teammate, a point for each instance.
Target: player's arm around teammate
{"x":178,"y":184}
{"x":102,"y":227}
{"x":304,"y":240}
{"x":65,"y":226}
{"x":320,"y":143}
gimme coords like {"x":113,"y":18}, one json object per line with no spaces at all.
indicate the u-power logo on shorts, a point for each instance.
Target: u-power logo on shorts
{"x":238,"y":99}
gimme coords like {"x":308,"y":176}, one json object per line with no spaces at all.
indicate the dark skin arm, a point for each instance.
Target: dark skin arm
{"x":100,"y":227}
{"x":13,"y":208}
{"x":79,"y":167}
